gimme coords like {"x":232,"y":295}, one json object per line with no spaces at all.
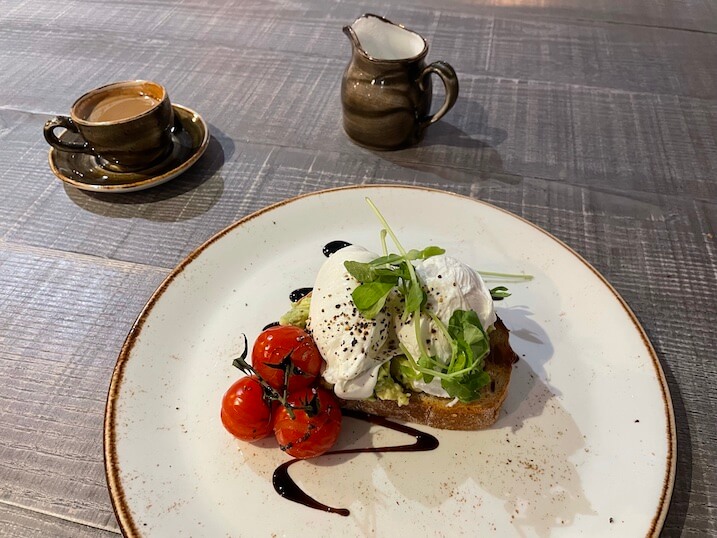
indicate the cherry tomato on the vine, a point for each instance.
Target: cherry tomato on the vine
{"x":274,"y":345}
{"x":245,"y":412}
{"x":308,"y":434}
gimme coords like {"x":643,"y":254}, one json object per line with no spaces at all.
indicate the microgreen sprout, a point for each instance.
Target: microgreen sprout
{"x":462,"y":376}
{"x":499,"y":293}
{"x":517,"y":277}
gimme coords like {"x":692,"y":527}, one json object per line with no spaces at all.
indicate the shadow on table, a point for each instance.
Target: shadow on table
{"x":456,"y":155}
{"x":680,"y":502}
{"x":202,"y":180}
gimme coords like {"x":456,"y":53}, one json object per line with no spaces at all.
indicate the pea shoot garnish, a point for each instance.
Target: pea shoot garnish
{"x":462,"y":375}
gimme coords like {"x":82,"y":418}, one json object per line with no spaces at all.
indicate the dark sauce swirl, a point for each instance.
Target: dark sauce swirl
{"x":285,"y":485}
{"x":287,"y":488}
{"x":333,"y":247}
{"x":298,"y":294}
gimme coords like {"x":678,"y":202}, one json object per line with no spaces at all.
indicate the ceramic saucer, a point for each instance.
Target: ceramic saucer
{"x":87,"y":173}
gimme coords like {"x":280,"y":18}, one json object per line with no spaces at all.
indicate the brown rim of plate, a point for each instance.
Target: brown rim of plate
{"x":144,"y":183}
{"x":124,"y":517}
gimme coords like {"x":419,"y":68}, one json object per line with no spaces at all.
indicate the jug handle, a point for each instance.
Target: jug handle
{"x":450,"y":81}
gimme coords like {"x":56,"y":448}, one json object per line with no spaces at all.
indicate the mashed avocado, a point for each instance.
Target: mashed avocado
{"x":299,"y":313}
{"x":387,"y":388}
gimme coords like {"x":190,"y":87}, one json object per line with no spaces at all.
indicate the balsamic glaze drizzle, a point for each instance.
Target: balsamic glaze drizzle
{"x":334,"y":246}
{"x":287,"y":488}
{"x":285,"y":485}
{"x":298,"y":294}
{"x":269,"y":325}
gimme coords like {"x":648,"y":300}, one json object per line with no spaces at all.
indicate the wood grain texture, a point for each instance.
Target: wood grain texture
{"x":691,"y":15}
{"x":15,"y":521}
{"x":62,"y":318}
{"x":595,"y":120}
{"x":515,"y":130}
{"x":654,"y":60}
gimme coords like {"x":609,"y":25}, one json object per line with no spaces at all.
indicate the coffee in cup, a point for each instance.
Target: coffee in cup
{"x":122,"y":107}
{"x":127,"y":125}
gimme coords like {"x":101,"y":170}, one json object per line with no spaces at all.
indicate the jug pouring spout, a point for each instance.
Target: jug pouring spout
{"x":349,"y":31}
{"x":379,"y":39}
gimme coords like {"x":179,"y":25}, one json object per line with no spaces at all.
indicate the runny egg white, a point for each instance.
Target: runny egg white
{"x":355,"y":347}
{"x":450,"y":285}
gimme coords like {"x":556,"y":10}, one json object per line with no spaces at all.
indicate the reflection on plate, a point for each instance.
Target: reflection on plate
{"x":86,"y":172}
{"x":585,"y":442}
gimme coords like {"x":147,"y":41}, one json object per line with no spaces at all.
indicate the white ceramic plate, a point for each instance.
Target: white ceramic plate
{"x":585,"y":442}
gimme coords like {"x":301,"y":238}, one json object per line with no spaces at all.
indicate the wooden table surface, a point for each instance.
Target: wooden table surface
{"x":595,"y":120}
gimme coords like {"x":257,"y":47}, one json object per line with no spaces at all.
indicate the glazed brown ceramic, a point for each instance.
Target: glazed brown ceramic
{"x":127,"y":125}
{"x":386,"y":89}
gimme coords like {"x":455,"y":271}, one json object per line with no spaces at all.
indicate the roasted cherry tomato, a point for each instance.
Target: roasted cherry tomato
{"x":309,"y":433}
{"x":246,"y":414}
{"x":274,"y":345}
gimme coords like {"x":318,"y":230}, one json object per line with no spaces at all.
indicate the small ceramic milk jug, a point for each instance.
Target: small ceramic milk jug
{"x":386,"y":88}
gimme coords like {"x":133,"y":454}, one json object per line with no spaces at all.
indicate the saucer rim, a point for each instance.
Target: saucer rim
{"x":143,"y":183}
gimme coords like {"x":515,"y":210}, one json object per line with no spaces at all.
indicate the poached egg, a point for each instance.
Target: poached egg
{"x":354,"y":347}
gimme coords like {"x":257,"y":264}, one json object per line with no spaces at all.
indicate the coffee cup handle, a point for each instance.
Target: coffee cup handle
{"x":64,"y":145}
{"x":450,"y":81}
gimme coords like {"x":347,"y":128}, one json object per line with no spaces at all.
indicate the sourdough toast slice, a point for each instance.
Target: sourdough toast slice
{"x":435,"y":412}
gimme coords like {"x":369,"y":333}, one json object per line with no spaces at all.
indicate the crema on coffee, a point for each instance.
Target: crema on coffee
{"x":120,"y":107}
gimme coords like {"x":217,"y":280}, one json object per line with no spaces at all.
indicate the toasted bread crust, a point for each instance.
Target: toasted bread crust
{"x":434,"y":411}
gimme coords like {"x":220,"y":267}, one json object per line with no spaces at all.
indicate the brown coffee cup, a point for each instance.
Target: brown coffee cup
{"x":127,"y":125}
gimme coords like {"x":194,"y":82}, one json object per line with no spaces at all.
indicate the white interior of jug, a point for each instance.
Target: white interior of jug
{"x":386,"y":41}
